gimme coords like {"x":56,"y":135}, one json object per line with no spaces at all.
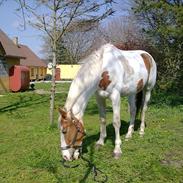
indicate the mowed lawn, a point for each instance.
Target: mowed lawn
{"x":30,"y":153}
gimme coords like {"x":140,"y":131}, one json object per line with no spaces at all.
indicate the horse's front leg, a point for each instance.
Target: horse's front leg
{"x":102,"y":112}
{"x":115,"y":98}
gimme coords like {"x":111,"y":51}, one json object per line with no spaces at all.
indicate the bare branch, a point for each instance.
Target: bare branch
{"x":45,"y":28}
{"x":70,"y":19}
{"x":2,"y":1}
{"x":23,"y":13}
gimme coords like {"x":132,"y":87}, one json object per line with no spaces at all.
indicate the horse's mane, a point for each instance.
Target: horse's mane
{"x":92,"y":58}
{"x":86,"y":76}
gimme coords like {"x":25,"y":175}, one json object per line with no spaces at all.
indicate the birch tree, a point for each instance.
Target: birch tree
{"x":55,"y":17}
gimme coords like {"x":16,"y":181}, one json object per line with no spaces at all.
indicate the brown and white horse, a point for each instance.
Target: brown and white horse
{"x":109,"y":73}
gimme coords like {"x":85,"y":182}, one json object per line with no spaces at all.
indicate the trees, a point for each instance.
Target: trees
{"x":62,"y":55}
{"x":73,"y":45}
{"x":78,"y":42}
{"x":124,"y":32}
{"x":162,"y":22}
{"x":54,"y":17}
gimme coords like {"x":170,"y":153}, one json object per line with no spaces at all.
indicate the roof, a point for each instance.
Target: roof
{"x":11,"y":49}
{"x":31,"y":58}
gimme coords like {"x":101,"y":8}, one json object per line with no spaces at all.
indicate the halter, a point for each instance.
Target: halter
{"x":72,"y":144}
{"x":93,"y":167}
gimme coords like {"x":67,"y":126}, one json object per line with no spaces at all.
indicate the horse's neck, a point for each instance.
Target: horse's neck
{"x":83,"y":86}
{"x":78,"y":99}
{"x":81,"y":102}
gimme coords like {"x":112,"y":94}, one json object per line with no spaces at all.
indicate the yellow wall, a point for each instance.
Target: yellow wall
{"x":67,"y":71}
{"x":41,"y":73}
{"x":37,"y":73}
{"x":4,"y":84}
{"x":4,"y":79}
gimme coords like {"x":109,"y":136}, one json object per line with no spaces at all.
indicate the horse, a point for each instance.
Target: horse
{"x":109,"y":73}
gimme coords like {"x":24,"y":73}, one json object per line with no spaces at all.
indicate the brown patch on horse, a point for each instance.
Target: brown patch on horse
{"x":140,"y":85}
{"x":72,"y":129}
{"x":104,"y":82}
{"x":70,"y":126}
{"x":147,"y":61}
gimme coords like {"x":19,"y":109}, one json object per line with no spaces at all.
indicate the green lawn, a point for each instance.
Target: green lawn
{"x":29,"y":147}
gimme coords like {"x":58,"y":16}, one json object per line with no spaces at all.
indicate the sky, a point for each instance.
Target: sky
{"x":10,"y":24}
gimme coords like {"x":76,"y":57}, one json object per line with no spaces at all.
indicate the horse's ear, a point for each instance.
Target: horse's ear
{"x":63,"y":112}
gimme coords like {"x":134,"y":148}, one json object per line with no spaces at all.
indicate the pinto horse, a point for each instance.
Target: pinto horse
{"x":109,"y":73}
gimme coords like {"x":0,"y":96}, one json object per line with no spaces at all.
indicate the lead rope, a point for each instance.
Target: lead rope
{"x":96,"y":171}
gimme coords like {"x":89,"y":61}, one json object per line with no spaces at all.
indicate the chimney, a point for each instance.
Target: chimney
{"x":15,"y":40}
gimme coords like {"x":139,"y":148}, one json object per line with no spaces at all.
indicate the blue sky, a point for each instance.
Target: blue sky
{"x":10,"y":23}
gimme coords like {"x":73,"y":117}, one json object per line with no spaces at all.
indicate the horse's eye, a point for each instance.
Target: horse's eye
{"x":64,"y":130}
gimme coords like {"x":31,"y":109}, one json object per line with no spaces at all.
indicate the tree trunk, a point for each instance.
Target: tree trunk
{"x":53,"y":86}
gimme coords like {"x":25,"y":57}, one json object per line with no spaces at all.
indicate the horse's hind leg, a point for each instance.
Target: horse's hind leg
{"x":132,"y":105}
{"x":147,"y":96}
{"x":102,"y":112}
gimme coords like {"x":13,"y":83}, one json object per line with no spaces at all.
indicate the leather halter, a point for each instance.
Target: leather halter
{"x":72,"y":144}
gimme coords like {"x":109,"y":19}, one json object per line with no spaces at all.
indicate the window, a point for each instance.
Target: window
{"x":41,"y":71}
{"x":3,"y":67}
{"x":32,"y":72}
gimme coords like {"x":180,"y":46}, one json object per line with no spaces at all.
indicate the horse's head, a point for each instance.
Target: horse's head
{"x":72,"y":134}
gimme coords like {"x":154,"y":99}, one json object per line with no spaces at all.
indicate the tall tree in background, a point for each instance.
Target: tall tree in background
{"x":54,"y":17}
{"x":124,"y":31}
{"x":74,"y":45}
{"x":78,"y":42}
{"x":62,"y":55}
{"x":162,"y":21}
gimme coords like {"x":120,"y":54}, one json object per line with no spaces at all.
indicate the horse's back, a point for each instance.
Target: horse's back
{"x":126,"y":70}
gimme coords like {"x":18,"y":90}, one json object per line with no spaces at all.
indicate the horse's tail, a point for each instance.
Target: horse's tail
{"x":139,"y":103}
{"x":152,"y":72}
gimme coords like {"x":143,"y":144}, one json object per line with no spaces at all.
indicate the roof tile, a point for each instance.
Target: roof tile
{"x":11,"y":50}
{"x":31,"y":58}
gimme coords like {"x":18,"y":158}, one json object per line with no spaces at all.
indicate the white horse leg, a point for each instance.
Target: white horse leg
{"x":102,"y":112}
{"x":132,"y":105}
{"x":147,"y":96}
{"x":115,"y":97}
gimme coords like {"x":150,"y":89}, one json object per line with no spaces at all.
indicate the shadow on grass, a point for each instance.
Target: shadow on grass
{"x":23,"y":102}
{"x":89,"y":168}
{"x":89,"y":142}
{"x":110,"y":133}
{"x":88,"y":149}
{"x":88,"y":152}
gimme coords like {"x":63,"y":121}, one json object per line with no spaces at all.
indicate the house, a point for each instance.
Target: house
{"x":37,"y":67}
{"x":10,"y":54}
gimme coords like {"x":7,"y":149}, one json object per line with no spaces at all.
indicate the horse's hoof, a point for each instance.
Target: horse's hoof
{"x":76,"y":156}
{"x":128,"y":137}
{"x":141,"y":134}
{"x":116,"y":155}
{"x":98,"y":146}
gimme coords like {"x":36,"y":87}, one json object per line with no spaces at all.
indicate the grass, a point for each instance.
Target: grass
{"x":29,"y":147}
